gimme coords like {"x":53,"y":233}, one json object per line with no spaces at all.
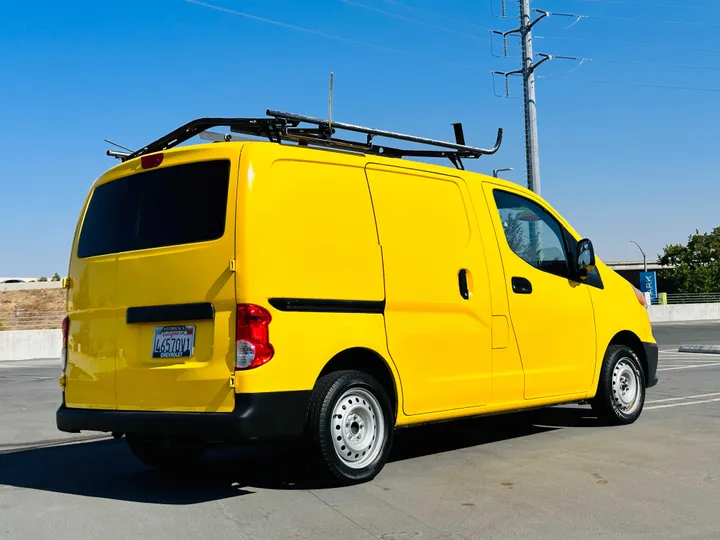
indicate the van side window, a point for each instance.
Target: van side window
{"x":532,"y":233}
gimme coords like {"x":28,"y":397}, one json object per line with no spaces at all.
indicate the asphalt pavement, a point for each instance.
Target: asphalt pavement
{"x":547,"y":474}
{"x":673,"y":335}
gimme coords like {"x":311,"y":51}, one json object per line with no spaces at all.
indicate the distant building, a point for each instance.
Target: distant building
{"x":630,"y":270}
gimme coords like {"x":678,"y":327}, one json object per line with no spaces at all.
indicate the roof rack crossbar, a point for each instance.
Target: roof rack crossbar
{"x":389,"y":134}
{"x":282,"y":126}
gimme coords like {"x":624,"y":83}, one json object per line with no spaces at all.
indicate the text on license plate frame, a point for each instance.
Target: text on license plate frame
{"x":174,"y":341}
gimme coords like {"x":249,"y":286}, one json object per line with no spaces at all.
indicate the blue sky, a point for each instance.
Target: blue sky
{"x":620,"y":161}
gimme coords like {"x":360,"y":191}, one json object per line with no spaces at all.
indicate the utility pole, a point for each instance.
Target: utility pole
{"x":528,"y":74}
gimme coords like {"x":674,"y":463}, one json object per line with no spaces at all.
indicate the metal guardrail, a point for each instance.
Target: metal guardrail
{"x":31,"y":320}
{"x":688,"y":298}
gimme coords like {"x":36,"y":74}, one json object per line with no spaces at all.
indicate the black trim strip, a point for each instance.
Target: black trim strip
{"x":328,"y":306}
{"x":201,"y":311}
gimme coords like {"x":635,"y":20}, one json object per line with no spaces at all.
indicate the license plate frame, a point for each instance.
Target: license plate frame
{"x":177,"y":341}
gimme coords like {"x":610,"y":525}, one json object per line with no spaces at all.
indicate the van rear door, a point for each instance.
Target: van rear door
{"x":93,"y":311}
{"x":175,"y":342}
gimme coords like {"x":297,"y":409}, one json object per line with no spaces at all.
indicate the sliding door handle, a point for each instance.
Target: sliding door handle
{"x":520,"y":285}
{"x":463,"y":284}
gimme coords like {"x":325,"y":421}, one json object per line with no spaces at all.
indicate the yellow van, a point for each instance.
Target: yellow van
{"x":319,"y":289}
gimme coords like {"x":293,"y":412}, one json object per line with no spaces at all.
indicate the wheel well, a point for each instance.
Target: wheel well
{"x":629,"y":339}
{"x":371,"y":363}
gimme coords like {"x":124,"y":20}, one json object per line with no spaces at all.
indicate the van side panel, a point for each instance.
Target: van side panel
{"x":308,"y":251}
{"x":310,"y":228}
{"x":439,"y":340}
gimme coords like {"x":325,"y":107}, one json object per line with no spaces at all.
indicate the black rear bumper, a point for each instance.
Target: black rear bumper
{"x":271,"y":416}
{"x":651,"y":357}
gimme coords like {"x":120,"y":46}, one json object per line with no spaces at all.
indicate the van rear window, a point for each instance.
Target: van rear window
{"x":175,"y":205}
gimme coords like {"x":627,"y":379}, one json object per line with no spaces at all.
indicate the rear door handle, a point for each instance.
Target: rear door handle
{"x":463,"y":284}
{"x":520,"y":285}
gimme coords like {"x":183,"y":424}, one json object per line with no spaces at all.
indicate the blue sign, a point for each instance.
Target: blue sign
{"x":648,"y":283}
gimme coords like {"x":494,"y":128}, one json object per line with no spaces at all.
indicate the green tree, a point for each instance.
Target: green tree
{"x":695,"y":267}
{"x":519,"y":238}
{"x":55,"y":277}
{"x":43,"y":278}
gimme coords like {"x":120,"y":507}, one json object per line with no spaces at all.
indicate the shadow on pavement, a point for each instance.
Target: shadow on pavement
{"x":107,"y":469}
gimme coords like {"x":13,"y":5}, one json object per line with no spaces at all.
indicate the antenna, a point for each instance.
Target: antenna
{"x":330,"y":103}
{"x":118,"y":145}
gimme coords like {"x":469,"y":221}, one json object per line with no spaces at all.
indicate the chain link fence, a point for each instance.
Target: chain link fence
{"x":31,"y":320}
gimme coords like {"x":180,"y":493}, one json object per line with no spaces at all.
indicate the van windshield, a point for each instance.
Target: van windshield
{"x":182,"y":204}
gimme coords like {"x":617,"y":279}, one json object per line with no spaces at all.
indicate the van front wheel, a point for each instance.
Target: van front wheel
{"x":621,"y":388}
{"x":164,"y":453}
{"x":351,"y":425}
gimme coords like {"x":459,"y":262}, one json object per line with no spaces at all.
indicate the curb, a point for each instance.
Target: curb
{"x":705,"y":349}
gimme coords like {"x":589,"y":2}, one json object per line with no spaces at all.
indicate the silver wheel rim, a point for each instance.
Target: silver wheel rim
{"x":358,"y":428}
{"x":626,"y":387}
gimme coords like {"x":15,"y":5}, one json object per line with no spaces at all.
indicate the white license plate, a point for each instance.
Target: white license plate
{"x":173,"y":342}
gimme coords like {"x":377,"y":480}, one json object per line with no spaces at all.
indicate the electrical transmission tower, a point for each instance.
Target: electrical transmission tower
{"x":528,"y":74}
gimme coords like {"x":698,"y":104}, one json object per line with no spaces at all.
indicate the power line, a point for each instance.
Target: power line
{"x":631,"y":44}
{"x":625,"y":83}
{"x":641,"y":5}
{"x":633,"y":62}
{"x":433,"y":14}
{"x":415,"y":21}
{"x":580,"y":16}
{"x":335,"y":37}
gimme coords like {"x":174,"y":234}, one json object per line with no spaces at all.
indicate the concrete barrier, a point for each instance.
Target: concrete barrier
{"x":30,"y":344}
{"x":684,"y":312}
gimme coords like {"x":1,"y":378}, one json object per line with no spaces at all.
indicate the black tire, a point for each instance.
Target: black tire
{"x":361,"y":429}
{"x":165,"y":453}
{"x":620,"y":370}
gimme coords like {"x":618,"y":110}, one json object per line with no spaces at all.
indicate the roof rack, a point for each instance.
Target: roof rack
{"x":282,"y":126}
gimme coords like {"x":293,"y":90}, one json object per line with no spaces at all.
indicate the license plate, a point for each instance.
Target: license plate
{"x":173,"y":342}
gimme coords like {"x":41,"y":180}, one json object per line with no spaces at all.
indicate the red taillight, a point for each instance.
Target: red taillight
{"x":64,"y":351}
{"x":253,"y":346}
{"x":152,"y":160}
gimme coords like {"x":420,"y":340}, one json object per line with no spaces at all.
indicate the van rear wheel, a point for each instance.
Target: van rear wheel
{"x":621,"y":389}
{"x":350,"y":421}
{"x":164,"y":453}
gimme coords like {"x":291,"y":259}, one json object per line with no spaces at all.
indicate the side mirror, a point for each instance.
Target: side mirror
{"x":585,"y":257}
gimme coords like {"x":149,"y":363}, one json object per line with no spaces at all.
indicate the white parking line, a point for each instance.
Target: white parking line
{"x":683,"y":397}
{"x":686,"y":355}
{"x":664,"y":363}
{"x":690,"y":355}
{"x":689,"y":367}
{"x":668,"y":405}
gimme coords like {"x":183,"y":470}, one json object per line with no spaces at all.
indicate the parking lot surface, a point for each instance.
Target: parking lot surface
{"x":546,"y":474}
